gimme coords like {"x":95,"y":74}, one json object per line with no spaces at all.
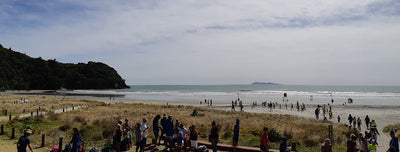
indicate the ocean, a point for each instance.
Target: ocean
{"x":361,"y":95}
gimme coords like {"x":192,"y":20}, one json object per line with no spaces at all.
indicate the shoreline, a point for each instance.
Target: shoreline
{"x":383,"y":114}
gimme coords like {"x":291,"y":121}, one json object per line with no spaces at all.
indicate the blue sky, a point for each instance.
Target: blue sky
{"x":314,"y":42}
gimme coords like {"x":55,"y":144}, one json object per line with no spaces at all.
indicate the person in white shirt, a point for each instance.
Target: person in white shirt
{"x":145,"y":129}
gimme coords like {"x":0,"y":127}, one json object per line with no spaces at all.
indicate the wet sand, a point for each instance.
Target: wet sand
{"x":383,"y":114}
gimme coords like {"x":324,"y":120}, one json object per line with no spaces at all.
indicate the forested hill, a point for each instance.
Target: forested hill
{"x":21,"y":72}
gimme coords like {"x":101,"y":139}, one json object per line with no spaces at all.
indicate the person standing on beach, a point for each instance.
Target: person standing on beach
{"x":76,"y":140}
{"x":264,"y":141}
{"x":317,"y":113}
{"x":236,"y":134}
{"x":128,"y":128}
{"x":139,"y":137}
{"x":241,"y":105}
{"x":394,"y":143}
{"x":145,"y":130}
{"x":351,"y":144}
{"x":214,"y":136}
{"x":176,"y":130}
{"x":367,"y":121}
{"x":359,"y":123}
{"x":374,"y":131}
{"x":169,"y":130}
{"x":24,"y":141}
{"x":372,"y":146}
{"x":163,"y":120}
{"x":354,"y":122}
{"x":118,"y":136}
{"x":350,"y":118}
{"x":338,"y":118}
{"x":156,"y":128}
{"x":283,"y":145}
{"x":363,"y":144}
{"x":193,"y":136}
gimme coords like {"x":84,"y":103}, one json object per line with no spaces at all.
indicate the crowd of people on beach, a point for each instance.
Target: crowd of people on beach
{"x":175,"y":136}
{"x":366,"y":143}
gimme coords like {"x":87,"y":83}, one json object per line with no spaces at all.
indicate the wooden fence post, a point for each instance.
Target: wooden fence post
{"x":13,"y":133}
{"x":330,"y":129}
{"x":60,"y":144}
{"x":2,"y":130}
{"x":43,"y":140}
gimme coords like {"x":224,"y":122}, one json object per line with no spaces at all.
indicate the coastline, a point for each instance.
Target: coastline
{"x":383,"y":114}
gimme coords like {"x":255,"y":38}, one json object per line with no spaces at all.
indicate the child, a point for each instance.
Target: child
{"x":179,"y":140}
{"x":283,"y":145}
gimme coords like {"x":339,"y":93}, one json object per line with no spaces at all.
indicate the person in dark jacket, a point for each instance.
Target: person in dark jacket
{"x":24,"y":141}
{"x":283,"y":145}
{"x":162,"y":121}
{"x":214,"y":136}
{"x":394,"y":143}
{"x":76,"y":140}
{"x":351,"y":144}
{"x":156,"y":128}
{"x":169,"y":130}
{"x":236,"y":134}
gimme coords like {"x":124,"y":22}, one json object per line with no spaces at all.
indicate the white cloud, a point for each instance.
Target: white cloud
{"x":218,"y":42}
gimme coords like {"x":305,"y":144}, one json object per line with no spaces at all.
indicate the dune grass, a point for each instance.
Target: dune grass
{"x":46,"y":103}
{"x":97,"y":122}
{"x":306,"y":132}
{"x":392,"y":127}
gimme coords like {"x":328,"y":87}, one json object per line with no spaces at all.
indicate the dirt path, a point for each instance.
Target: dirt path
{"x":6,"y":118}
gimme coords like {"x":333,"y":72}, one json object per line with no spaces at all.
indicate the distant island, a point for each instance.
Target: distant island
{"x":264,"y":83}
{"x":21,"y":72}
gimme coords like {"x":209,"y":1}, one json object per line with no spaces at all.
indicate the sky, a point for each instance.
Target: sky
{"x":202,"y":42}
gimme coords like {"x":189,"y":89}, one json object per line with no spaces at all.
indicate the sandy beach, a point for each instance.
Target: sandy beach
{"x":383,"y":114}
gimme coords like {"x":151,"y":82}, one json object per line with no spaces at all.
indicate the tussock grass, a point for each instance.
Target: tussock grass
{"x":307,"y":132}
{"x":97,"y":122}
{"x":46,"y":103}
{"x":392,"y":127}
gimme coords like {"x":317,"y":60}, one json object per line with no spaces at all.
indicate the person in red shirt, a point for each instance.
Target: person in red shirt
{"x":264,"y":141}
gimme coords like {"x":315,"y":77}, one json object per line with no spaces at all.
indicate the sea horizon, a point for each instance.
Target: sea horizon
{"x":309,"y":94}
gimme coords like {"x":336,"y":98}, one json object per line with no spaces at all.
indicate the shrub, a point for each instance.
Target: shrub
{"x":65,"y":127}
{"x":392,"y":127}
{"x":274,"y":135}
{"x":310,"y":142}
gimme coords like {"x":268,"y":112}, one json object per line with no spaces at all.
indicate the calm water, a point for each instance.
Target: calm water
{"x":365,"y":95}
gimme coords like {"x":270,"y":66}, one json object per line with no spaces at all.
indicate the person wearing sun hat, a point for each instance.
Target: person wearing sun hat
{"x":24,"y":141}
{"x":283,"y":145}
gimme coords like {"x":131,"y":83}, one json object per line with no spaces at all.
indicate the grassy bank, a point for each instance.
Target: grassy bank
{"x":14,"y":105}
{"x":97,"y":123}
